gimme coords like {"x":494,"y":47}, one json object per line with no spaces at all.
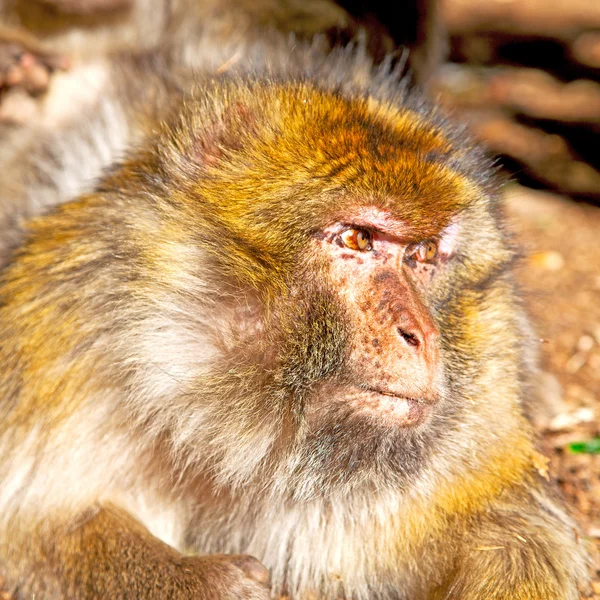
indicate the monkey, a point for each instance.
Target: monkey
{"x":260,"y":336}
{"x":91,"y":28}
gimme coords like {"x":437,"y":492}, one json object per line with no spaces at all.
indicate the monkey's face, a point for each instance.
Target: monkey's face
{"x":381,"y":276}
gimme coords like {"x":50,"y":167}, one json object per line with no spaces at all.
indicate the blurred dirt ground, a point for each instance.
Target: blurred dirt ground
{"x":561,"y":280}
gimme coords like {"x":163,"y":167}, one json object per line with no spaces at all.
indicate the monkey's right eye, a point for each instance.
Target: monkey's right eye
{"x":357,"y":239}
{"x":425,"y":252}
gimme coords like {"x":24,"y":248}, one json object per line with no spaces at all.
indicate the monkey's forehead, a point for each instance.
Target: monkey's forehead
{"x":331,"y":151}
{"x":325,"y":111}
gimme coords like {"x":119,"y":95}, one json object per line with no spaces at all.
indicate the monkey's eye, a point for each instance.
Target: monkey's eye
{"x":425,"y":251}
{"x":357,"y":239}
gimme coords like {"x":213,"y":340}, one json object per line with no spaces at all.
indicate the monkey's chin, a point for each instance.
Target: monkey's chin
{"x":395,"y":410}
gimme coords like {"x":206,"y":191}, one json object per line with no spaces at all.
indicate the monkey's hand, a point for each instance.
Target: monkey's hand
{"x":25,"y":64}
{"x":226,"y":577}
{"x":111,"y":555}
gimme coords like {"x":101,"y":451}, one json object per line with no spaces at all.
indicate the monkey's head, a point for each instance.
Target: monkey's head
{"x":349,"y":254}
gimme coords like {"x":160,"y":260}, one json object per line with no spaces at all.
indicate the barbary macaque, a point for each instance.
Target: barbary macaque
{"x":259,"y":336}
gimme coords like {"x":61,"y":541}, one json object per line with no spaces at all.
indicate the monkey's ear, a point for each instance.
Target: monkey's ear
{"x":448,"y":240}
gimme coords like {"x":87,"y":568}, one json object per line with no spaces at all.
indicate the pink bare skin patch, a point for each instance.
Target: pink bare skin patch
{"x":380,"y":271}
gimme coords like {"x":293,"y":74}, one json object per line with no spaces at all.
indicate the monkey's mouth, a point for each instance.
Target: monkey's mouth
{"x":404,"y":411}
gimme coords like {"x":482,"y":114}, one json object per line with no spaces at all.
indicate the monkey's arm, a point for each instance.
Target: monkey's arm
{"x":108,"y":554}
{"x":524,"y":548}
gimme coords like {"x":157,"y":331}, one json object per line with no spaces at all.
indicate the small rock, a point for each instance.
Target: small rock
{"x":549,"y":261}
{"x":585,"y":343}
{"x":579,"y":395}
{"x":568,"y":420}
{"x":594,"y":363}
{"x":576,"y":362}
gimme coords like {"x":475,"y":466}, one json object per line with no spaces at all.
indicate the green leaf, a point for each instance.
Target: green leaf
{"x":588,"y":447}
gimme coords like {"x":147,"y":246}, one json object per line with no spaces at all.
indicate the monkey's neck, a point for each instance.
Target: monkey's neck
{"x":331,"y":546}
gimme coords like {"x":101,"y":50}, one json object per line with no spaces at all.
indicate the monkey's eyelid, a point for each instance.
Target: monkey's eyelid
{"x":359,"y":227}
{"x":448,"y":239}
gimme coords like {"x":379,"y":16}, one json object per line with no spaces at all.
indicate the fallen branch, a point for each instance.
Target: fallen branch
{"x":548,"y":157}
{"x":564,"y":19}
{"x":523,"y":91}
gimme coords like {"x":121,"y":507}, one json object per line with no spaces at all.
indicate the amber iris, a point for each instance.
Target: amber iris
{"x":426,"y":252}
{"x":357,"y":239}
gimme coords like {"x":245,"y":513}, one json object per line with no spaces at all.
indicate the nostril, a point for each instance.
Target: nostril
{"x":410,"y":338}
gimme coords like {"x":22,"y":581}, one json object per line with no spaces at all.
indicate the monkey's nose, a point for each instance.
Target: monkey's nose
{"x":410,"y":338}
{"x":419,"y":337}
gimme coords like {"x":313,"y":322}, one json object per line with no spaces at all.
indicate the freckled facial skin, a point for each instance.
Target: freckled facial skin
{"x":394,"y":371}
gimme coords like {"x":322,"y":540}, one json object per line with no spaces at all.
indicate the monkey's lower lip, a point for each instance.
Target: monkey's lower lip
{"x":403,"y":410}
